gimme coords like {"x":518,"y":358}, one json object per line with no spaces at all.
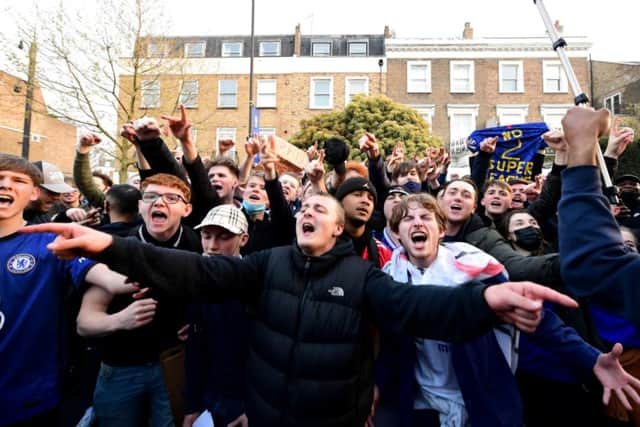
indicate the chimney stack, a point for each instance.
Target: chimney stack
{"x":297,"y":41}
{"x":467,"y":33}
{"x":387,"y":32}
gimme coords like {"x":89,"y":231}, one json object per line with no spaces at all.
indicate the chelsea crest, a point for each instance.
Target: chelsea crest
{"x":21,"y":263}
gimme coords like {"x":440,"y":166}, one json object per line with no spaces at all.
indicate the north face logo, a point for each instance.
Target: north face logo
{"x":336,"y":291}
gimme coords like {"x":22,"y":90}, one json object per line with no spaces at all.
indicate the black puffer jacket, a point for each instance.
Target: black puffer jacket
{"x":311,"y":354}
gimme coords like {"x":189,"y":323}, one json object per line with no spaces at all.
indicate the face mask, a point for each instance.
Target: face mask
{"x":629,"y":198}
{"x":252,"y":209}
{"x":412,"y":187}
{"x":529,"y":238}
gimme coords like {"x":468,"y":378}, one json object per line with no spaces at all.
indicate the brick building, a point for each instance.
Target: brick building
{"x":616,"y":85}
{"x":295,"y":76}
{"x":51,"y":139}
{"x":465,"y":83}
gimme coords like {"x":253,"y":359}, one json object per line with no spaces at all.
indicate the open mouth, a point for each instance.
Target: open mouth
{"x":363,"y":211}
{"x":418,"y":237}
{"x":216,"y":187}
{"x":5,"y":200}
{"x":307,"y":228}
{"x":158,"y":217}
{"x":456,"y":207}
{"x":496,"y":204}
{"x":254,"y":197}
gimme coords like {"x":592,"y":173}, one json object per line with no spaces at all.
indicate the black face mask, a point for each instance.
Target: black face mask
{"x":529,"y":238}
{"x":629,"y":198}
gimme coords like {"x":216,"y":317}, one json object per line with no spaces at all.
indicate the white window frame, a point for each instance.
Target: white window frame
{"x":553,"y":110}
{"x":312,"y":93}
{"x":226,"y":53}
{"x":471,"y":87}
{"x":347,"y":86}
{"x":412,"y":88}
{"x":183,"y":96}
{"x":358,"y":42}
{"x":459,"y":110}
{"x":264,"y":91}
{"x":323,"y":42}
{"x":190,"y":54}
{"x":508,"y":110}
{"x":267,"y":131}
{"x":519,"y":76}
{"x":426,"y":111}
{"x":564,"y":86}
{"x":277,"y":42}
{"x":220,"y":94}
{"x":611,"y":98}
{"x":226,"y":133}
{"x":144,"y":87}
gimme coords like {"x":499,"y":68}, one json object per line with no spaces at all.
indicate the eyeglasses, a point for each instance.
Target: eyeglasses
{"x":168,"y":198}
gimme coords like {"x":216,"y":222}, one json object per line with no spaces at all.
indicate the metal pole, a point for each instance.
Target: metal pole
{"x":580,"y":98}
{"x":26,"y":132}
{"x":253,"y":7}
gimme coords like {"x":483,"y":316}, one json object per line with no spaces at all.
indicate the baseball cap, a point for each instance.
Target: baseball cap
{"x":356,"y":184}
{"x":53,"y":179}
{"x":226,"y":216}
{"x":397,"y":189}
{"x":515,"y":180}
{"x":627,"y":177}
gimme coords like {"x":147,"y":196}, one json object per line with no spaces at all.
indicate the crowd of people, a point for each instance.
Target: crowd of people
{"x":379,"y":293}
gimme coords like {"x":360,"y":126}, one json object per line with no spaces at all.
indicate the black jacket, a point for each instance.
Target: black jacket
{"x":311,"y":356}
{"x":543,"y":269}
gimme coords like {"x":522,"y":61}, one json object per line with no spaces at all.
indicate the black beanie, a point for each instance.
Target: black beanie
{"x":356,"y":184}
{"x":336,"y":152}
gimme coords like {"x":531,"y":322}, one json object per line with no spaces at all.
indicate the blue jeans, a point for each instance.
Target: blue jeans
{"x":129,"y":396}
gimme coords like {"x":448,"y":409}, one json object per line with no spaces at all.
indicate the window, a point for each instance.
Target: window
{"x":553,"y":78}
{"x":194,"y":50}
{"x":194,"y":135}
{"x":426,"y":111}
{"x":321,"y":49}
{"x":189,"y":94}
{"x":552,"y":114}
{"x":511,"y":79}
{"x":155,"y":50}
{"x":419,"y":77}
{"x":150,"y":94}
{"x":226,"y":133}
{"x":270,"y":48}
{"x":462,"y":121}
{"x":354,"y":86}
{"x":613,"y":103}
{"x":267,"y":131}
{"x":512,"y":114}
{"x":266,"y":94}
{"x":321,"y":93}
{"x":232,"y":49}
{"x":462,"y":76}
{"x":228,"y":93}
{"x":357,"y":48}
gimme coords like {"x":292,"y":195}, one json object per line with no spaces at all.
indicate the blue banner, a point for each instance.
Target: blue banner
{"x":515,"y":150}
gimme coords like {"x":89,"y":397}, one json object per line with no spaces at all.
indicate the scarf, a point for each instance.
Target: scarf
{"x":456,"y":263}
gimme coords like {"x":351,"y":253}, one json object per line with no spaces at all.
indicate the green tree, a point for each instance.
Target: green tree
{"x":389,"y":121}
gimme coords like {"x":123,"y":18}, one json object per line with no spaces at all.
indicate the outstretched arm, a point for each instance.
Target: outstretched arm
{"x":210,"y":279}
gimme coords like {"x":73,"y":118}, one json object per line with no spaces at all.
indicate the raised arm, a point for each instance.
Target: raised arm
{"x":594,"y":261}
{"x":82,"y":170}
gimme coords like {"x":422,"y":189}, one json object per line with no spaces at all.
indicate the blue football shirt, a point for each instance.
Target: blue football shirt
{"x":33,"y":283}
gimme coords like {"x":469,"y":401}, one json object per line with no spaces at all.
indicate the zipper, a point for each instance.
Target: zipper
{"x":305,"y":292}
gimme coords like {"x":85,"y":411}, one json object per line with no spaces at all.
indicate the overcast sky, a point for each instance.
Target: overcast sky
{"x":611,"y":25}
